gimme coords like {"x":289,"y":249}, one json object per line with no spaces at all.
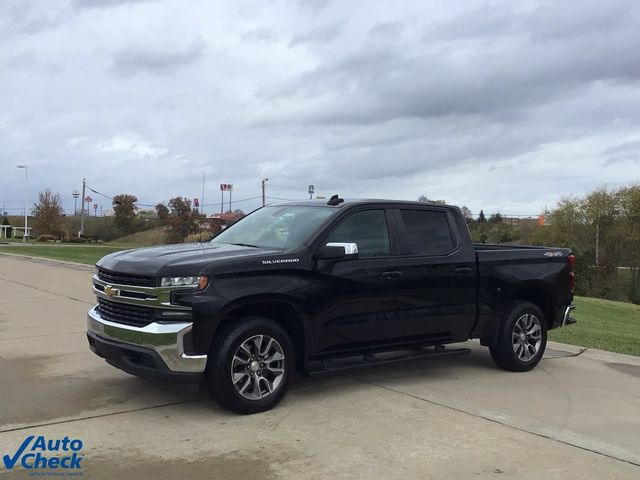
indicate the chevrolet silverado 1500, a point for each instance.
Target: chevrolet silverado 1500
{"x":319,"y":286}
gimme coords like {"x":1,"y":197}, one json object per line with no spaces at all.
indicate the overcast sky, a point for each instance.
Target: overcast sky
{"x":496,"y":105}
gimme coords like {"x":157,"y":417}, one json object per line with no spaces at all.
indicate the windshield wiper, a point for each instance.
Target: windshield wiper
{"x":245,"y":245}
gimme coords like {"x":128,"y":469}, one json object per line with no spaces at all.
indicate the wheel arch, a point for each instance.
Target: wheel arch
{"x":539,"y":295}
{"x":282,"y":310}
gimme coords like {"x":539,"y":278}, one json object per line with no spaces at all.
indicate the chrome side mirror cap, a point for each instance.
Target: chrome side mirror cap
{"x":340,"y":250}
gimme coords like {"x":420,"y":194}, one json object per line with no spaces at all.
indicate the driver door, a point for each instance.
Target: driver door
{"x":356,"y":302}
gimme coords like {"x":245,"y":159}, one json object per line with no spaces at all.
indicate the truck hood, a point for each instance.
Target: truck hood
{"x":180,"y":259}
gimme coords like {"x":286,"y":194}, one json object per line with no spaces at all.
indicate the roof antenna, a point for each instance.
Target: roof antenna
{"x":335,"y":200}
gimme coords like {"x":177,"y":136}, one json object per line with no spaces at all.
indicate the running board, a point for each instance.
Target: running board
{"x":368,"y":360}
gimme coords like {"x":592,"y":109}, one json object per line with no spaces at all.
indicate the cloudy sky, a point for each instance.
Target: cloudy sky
{"x":496,"y":105}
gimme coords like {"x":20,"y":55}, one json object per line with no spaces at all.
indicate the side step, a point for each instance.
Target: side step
{"x":336,"y":365}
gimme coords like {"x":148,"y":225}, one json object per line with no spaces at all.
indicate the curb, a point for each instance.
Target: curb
{"x":49,"y":260}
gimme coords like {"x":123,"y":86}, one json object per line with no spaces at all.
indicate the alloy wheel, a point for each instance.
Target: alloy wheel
{"x":527,"y":337}
{"x":257,"y":369}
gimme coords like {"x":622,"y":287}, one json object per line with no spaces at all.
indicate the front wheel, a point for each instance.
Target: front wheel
{"x":522,"y":338}
{"x":250,"y":365}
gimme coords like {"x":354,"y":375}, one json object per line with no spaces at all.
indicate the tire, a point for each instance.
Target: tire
{"x":522,"y":338}
{"x":236,"y":355}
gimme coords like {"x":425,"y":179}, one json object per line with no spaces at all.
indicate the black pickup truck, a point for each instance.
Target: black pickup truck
{"x":320,"y":286}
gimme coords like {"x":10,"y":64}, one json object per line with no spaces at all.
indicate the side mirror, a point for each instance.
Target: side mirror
{"x":339,"y":250}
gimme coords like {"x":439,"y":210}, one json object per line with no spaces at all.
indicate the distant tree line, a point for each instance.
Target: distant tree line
{"x":602,"y":228}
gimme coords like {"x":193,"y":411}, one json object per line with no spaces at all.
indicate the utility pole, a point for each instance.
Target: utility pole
{"x":25,"y":237}
{"x":81,"y":232}
{"x":263,"y":193}
{"x":597,"y":245}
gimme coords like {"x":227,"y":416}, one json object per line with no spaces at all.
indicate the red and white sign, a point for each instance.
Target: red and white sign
{"x":226,"y":187}
{"x":95,"y":206}
{"x":88,"y":199}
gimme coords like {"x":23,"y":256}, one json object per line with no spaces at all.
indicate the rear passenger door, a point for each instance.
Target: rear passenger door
{"x":438,"y":281}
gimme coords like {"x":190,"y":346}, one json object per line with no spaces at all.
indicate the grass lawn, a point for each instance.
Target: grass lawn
{"x":612,"y":326}
{"x":88,"y":254}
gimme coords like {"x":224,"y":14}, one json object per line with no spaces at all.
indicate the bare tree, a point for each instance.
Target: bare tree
{"x":48,"y":213}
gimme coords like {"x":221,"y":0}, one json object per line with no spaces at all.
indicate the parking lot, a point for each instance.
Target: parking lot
{"x":576,"y":416}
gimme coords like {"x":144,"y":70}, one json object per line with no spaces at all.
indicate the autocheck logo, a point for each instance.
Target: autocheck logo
{"x":64,"y":456}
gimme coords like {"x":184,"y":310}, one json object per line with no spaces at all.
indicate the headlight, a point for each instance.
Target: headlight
{"x":199,"y":282}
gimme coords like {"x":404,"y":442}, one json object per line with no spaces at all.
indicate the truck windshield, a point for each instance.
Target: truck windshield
{"x":279,"y":227}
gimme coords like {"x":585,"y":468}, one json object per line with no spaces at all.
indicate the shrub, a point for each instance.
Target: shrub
{"x":198,"y":237}
{"x":77,"y":240}
{"x":46,"y":238}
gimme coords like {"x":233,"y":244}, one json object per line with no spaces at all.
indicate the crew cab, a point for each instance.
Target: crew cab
{"x":318,"y":286}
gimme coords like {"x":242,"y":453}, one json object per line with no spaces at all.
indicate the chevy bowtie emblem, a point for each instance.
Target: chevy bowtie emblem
{"x":110,"y":291}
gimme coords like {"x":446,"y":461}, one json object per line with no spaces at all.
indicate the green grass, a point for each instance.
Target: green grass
{"x":603,"y":324}
{"x":88,"y":254}
{"x":153,"y":236}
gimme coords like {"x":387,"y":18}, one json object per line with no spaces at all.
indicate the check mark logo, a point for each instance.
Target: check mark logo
{"x":10,"y":462}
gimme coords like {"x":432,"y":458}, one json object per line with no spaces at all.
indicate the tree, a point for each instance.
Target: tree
{"x":481,"y":217}
{"x":466,"y":213}
{"x":124,"y":209}
{"x":163,"y":212}
{"x":48,"y":213}
{"x":628,"y":199}
{"x":425,"y":199}
{"x":182,"y":221}
{"x":495,"y":218}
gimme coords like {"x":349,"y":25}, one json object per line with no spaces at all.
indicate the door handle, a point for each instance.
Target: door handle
{"x":392,"y":274}
{"x":462,"y":269}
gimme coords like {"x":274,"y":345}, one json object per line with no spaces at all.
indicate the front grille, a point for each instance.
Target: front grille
{"x":126,"y":313}
{"x":126,"y":278}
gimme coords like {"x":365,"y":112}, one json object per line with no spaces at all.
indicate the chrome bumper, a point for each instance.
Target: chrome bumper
{"x":166,"y":339}
{"x":566,"y":319}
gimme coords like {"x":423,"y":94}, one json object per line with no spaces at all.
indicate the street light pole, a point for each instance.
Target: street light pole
{"x":81,"y":232}
{"x":263,"y":193}
{"x":201,"y":212}
{"x":26,"y":185}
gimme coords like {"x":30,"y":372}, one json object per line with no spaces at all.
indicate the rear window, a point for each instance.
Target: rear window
{"x":428,"y":232}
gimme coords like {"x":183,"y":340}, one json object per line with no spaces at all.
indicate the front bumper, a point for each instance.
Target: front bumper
{"x":156,"y":350}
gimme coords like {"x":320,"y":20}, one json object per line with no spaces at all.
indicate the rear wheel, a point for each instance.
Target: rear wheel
{"x":522,"y":338}
{"x":250,"y":366}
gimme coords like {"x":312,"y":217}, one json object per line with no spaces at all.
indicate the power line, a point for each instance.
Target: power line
{"x":235,"y":201}
{"x":149,"y":205}
{"x":285,"y":199}
{"x":95,"y":191}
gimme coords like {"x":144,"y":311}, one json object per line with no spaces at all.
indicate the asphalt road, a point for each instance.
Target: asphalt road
{"x":576,"y":416}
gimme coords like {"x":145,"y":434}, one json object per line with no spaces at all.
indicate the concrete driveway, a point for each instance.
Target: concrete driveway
{"x":576,"y":416}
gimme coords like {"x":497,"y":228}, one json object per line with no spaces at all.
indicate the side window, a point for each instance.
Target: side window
{"x":368,"y":229}
{"x":428,"y":232}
